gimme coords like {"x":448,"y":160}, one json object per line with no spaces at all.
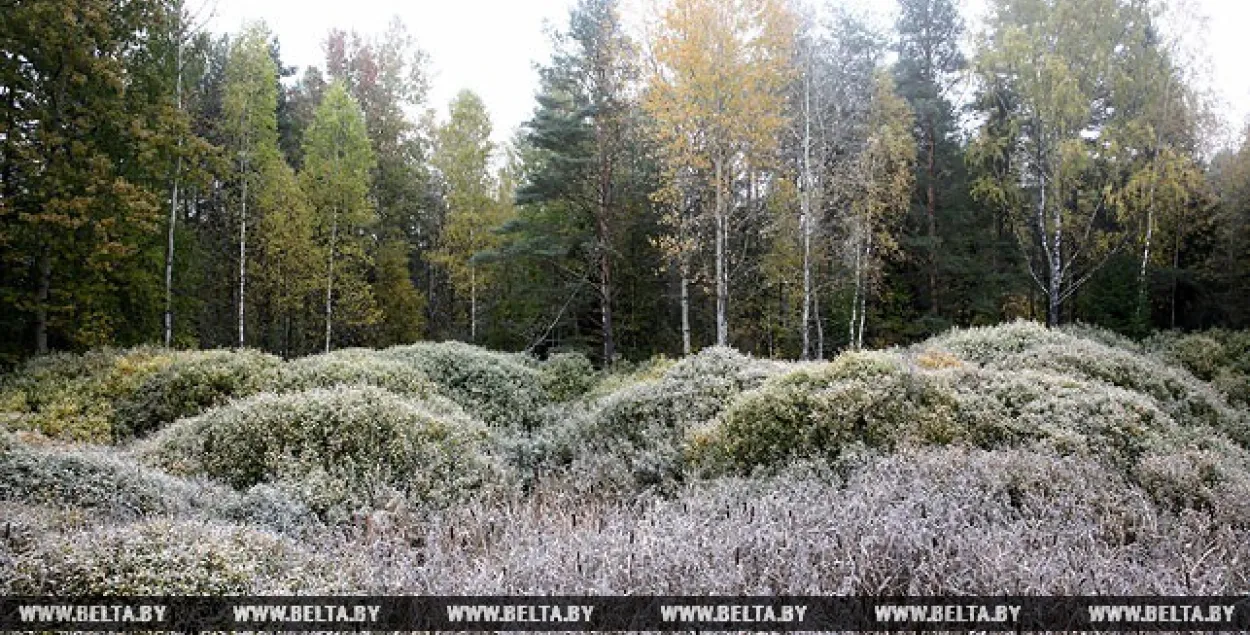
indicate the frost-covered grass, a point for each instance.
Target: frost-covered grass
{"x":1008,"y":459}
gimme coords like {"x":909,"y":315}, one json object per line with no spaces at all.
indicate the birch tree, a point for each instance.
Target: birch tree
{"x":716,"y":94}
{"x":462,"y":157}
{"x":885,"y":167}
{"x":249,"y":113}
{"x":1055,"y":84}
{"x":337,"y":164}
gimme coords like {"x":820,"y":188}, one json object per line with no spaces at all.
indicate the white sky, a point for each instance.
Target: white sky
{"x":491,"y":46}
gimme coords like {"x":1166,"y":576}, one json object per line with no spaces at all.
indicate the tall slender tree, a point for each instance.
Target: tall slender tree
{"x":337,"y":165}
{"x":928,"y":59}
{"x":249,"y":112}
{"x":462,"y":155}
{"x":716,"y":94}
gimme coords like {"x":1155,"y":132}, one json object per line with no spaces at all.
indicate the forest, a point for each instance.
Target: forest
{"x":760,"y":301}
{"x":785,"y":180}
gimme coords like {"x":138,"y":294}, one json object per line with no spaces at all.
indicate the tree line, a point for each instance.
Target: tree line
{"x":787,"y":180}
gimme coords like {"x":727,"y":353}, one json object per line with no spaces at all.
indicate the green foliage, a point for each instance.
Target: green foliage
{"x":336,"y":178}
{"x":567,"y":376}
{"x":73,"y":396}
{"x":334,"y":449}
{"x":504,"y":390}
{"x":351,"y":367}
{"x":818,"y":410}
{"x":193,"y":383}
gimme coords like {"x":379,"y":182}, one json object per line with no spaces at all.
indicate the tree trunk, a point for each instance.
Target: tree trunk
{"x":472,"y":303}
{"x":722,"y":282}
{"x":820,"y":327}
{"x":173,"y":198}
{"x":685,"y":313}
{"x":41,"y":307}
{"x":242,"y":256}
{"x":855,"y":298}
{"x":1143,"y":291}
{"x":931,"y":210}
{"x":805,"y":221}
{"x":863,"y":296}
{"x":334,"y":234}
{"x":1176,"y":267}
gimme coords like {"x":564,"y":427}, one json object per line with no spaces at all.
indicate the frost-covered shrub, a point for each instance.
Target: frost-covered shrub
{"x":1216,"y":480}
{"x":567,"y":376}
{"x":1200,"y":353}
{"x":625,"y":373}
{"x":89,"y":479}
{"x":504,"y":390}
{"x":816,"y":410}
{"x":989,"y":343}
{"x":73,"y":396}
{"x":334,"y":449}
{"x":193,"y":383}
{"x":1219,"y":356}
{"x":164,"y":557}
{"x":1006,"y":408}
{"x":1184,"y":398}
{"x":1101,"y":335}
{"x":264,"y":506}
{"x":350,"y":367}
{"x":645,"y":423}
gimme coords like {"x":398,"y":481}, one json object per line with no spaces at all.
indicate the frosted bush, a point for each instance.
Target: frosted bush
{"x":645,"y":423}
{"x":625,"y":373}
{"x":567,"y":376}
{"x":1186,"y":399}
{"x":334,"y":449}
{"x":990,"y":343}
{"x":817,"y":409}
{"x":1103,"y":336}
{"x":1219,"y":356}
{"x":350,"y":367}
{"x":193,"y":383}
{"x":1214,"y":479}
{"x":90,"y":479}
{"x":164,"y":557}
{"x":504,"y":390}
{"x":73,"y":396}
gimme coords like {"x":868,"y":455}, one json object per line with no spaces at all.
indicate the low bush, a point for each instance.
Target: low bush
{"x":89,"y":479}
{"x":504,"y":390}
{"x":1201,"y":472}
{"x":568,"y":376}
{"x":334,"y":449}
{"x":74,"y":396}
{"x":1186,"y":399}
{"x":164,"y":557}
{"x":986,"y":344}
{"x":1219,"y":356}
{"x":816,"y":410}
{"x":193,"y":383}
{"x":350,"y":367}
{"x":642,"y":425}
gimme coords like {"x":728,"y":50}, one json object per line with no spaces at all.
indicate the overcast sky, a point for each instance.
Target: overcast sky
{"x":491,"y":46}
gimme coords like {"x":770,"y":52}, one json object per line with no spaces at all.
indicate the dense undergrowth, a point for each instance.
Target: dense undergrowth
{"x":1011,"y":459}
